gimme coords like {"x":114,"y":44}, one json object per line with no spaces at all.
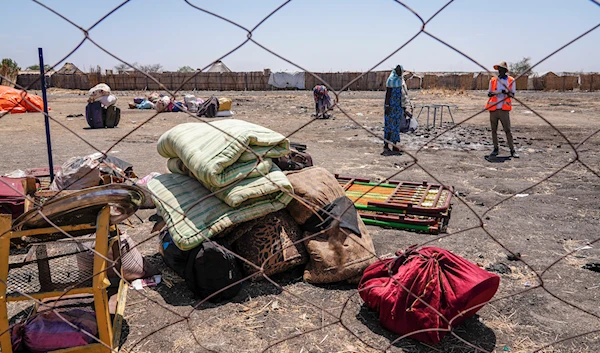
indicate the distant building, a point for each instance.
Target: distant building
{"x":218,"y":66}
{"x":70,"y":69}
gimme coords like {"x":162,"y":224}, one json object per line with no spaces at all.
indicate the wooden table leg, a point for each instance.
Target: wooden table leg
{"x":5,"y":225}
{"x":100,"y":281}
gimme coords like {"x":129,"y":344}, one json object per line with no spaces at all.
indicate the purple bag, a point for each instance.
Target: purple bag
{"x":46,"y":331}
{"x":93,"y":115}
{"x":138,"y":100}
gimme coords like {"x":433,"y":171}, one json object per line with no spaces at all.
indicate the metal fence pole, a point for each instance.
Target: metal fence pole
{"x":46,"y":120}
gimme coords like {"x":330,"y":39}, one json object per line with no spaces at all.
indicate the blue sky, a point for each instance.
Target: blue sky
{"x":325,"y":35}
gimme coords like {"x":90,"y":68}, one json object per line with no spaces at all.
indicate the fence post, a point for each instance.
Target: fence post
{"x":220,"y":81}
{"x":172,"y":82}
{"x":195,"y":84}
{"x":46,"y":120}
{"x":246,"y":80}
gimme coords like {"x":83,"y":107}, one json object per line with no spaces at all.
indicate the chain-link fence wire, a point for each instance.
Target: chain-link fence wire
{"x":336,"y":319}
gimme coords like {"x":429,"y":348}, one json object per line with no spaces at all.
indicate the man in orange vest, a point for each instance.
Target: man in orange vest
{"x":502,"y":89}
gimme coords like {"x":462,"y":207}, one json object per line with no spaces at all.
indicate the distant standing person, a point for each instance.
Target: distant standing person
{"x":322,"y":102}
{"x":396,"y":102}
{"x":501,"y":90}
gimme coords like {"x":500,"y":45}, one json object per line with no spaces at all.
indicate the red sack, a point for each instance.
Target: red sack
{"x":443,"y":281}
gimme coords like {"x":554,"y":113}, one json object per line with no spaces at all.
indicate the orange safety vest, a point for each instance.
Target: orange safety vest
{"x":493,"y":101}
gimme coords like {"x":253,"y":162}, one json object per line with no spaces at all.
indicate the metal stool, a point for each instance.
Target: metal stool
{"x":436,"y":107}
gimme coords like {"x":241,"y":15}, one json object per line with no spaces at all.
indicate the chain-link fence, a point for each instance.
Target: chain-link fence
{"x":546,"y":302}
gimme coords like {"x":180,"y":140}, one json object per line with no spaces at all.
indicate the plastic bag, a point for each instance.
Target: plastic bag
{"x":191,"y":102}
{"x":107,"y":101}
{"x":16,"y":174}
{"x":99,"y":90}
{"x":78,"y":173}
{"x":143,"y":184}
{"x":413,"y":125}
{"x":162,"y":105}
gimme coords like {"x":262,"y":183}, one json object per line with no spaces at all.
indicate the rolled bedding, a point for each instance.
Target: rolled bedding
{"x":193,"y":215}
{"x":225,"y":152}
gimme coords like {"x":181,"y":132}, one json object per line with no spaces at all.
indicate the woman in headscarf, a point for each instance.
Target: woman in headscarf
{"x":322,"y":102}
{"x":396,"y":100}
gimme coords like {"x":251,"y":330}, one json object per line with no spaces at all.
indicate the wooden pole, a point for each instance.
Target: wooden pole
{"x":100,"y":281}
{"x":5,"y":225}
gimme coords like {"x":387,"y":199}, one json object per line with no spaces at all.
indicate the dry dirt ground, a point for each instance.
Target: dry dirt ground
{"x":554,"y":217}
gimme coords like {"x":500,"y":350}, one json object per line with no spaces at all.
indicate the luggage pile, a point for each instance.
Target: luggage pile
{"x":210,"y":108}
{"x":420,"y":207}
{"x":227,"y":194}
{"x":101,"y":111}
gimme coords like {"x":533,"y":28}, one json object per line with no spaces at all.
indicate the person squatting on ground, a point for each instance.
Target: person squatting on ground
{"x":501,"y":90}
{"x":396,"y":102}
{"x":322,"y":102}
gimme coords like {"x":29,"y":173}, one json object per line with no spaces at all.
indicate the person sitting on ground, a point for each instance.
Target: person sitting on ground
{"x":322,"y":102}
{"x":396,"y":102}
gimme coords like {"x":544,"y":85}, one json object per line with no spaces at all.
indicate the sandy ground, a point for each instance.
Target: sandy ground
{"x":555,"y":216}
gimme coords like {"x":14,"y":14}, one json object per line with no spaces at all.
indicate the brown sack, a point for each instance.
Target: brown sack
{"x":133,"y":264}
{"x":335,"y":254}
{"x":316,"y":187}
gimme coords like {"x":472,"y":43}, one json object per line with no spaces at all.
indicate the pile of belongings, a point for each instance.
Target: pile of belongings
{"x":426,"y":291}
{"x":210,"y":108}
{"x":101,"y":111}
{"x":160,"y":102}
{"x":15,"y":101}
{"x":214,"y":107}
{"x":77,"y":173}
{"x":226,"y":195}
{"x":420,"y":207}
{"x":97,"y":169}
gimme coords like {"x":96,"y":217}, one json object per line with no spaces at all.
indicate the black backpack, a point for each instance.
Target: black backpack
{"x":210,"y":268}
{"x":209,"y":108}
